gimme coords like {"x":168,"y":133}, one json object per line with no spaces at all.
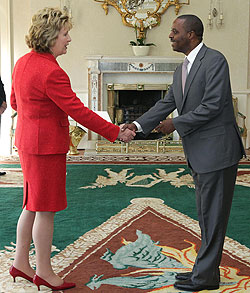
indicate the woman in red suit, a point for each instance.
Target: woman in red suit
{"x":43,"y":98}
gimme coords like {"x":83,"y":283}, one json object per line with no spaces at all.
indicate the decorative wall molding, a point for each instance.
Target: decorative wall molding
{"x":242,"y":92}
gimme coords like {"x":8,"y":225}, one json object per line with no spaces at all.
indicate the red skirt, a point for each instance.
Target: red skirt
{"x":44,"y":178}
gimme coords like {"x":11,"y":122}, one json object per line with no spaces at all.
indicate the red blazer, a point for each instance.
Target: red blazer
{"x":42,"y":96}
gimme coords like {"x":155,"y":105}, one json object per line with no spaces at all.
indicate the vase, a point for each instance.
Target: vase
{"x":140,"y":50}
{"x":76,"y":133}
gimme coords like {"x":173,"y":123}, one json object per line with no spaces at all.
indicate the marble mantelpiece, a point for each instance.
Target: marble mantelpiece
{"x":126,"y":70}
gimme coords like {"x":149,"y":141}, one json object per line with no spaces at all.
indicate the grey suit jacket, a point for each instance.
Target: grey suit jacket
{"x":206,"y":122}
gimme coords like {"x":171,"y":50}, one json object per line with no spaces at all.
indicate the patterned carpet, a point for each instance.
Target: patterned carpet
{"x":139,"y":250}
{"x":112,"y":158}
{"x":128,"y":227}
{"x":119,"y":158}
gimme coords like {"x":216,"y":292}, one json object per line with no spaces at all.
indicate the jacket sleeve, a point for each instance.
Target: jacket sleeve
{"x":13,"y":98}
{"x":59,"y":90}
{"x":217,"y":84}
{"x":157,"y":113}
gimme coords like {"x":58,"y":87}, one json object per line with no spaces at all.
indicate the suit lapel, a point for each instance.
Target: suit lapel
{"x":192,"y":73}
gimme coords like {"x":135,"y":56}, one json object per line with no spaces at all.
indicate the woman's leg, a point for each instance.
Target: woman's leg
{"x":23,"y":241}
{"x":43,"y":235}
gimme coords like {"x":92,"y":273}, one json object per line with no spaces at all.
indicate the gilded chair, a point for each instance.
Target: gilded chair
{"x":241,"y":120}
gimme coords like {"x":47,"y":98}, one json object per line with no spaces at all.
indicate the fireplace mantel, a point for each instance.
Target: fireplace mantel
{"x":108,"y":70}
{"x":108,"y":64}
{"x":142,"y":70}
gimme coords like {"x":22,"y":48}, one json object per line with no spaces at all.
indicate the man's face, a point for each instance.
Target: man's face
{"x":179,"y":37}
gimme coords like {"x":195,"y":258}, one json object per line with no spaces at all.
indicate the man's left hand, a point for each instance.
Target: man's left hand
{"x":166,"y":126}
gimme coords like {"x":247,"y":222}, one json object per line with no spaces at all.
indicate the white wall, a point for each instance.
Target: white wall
{"x":95,"y":33}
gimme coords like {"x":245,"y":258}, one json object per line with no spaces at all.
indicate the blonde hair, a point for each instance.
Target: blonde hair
{"x":45,"y":27}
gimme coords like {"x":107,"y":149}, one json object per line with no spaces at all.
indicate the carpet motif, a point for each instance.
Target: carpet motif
{"x":136,"y":158}
{"x":147,"y":180}
{"x":159,"y":265}
{"x":143,"y":253}
{"x":153,"y":268}
{"x":127,"y":177}
{"x":14,"y":178}
{"x":151,"y":275}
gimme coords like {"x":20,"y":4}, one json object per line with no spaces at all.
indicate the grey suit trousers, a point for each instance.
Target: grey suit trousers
{"x":214,"y":194}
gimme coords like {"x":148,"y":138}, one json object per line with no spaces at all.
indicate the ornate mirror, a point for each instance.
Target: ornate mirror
{"x":142,"y":14}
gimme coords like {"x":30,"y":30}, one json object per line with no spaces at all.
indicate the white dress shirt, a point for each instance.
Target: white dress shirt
{"x":192,"y":55}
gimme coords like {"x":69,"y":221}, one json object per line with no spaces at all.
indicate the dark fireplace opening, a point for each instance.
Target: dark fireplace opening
{"x":134,"y":103}
{"x":131,"y":104}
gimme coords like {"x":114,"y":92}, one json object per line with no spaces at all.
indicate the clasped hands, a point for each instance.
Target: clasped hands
{"x":126,"y":134}
{"x":128,"y":131}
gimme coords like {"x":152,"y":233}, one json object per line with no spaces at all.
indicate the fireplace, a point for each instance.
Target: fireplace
{"x":127,"y":102}
{"x":126,"y":87}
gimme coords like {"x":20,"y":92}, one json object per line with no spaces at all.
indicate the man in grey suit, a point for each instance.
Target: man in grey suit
{"x":201,"y":93}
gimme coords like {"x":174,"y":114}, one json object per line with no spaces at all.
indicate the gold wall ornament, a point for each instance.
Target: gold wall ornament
{"x":66,"y":7}
{"x":142,"y":14}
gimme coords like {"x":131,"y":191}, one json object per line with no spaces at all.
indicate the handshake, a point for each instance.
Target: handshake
{"x":128,"y":131}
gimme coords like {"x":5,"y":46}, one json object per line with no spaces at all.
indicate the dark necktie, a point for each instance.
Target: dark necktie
{"x":184,"y":73}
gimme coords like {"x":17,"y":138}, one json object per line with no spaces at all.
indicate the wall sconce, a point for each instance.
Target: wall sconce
{"x":215,"y":14}
{"x":66,"y":6}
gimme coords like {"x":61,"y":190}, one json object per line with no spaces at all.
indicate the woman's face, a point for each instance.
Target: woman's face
{"x":61,"y":43}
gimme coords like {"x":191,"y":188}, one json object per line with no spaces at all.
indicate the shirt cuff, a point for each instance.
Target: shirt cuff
{"x":139,"y":129}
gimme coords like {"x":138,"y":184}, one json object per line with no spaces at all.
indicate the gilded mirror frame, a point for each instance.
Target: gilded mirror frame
{"x":151,"y":17}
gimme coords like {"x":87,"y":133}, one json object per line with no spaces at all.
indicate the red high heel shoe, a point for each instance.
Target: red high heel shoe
{"x":16,"y":273}
{"x":39,"y":281}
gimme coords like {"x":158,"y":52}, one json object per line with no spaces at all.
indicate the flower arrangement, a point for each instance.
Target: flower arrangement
{"x":140,"y":38}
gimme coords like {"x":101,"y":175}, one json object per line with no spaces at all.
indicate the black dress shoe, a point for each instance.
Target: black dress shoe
{"x":188,"y":285}
{"x":2,"y":173}
{"x":183,"y":276}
